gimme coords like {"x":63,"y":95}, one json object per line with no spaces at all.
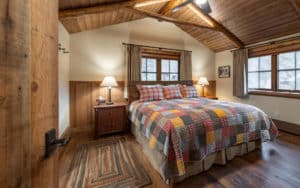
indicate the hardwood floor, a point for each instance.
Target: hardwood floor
{"x":276,"y":165}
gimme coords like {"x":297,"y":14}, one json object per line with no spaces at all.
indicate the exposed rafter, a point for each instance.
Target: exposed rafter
{"x":238,"y":43}
{"x":168,"y":19}
{"x":167,"y":8}
{"x":101,"y":8}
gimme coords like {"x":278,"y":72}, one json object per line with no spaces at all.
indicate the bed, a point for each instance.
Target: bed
{"x":183,"y":137}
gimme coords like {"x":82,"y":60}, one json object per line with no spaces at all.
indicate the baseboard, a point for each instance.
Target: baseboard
{"x":287,"y":127}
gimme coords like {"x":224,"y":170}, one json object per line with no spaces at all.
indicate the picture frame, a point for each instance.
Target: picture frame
{"x":224,"y":71}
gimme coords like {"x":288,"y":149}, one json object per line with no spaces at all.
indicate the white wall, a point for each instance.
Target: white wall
{"x":97,"y":53}
{"x":284,"y":109}
{"x":64,"y":68}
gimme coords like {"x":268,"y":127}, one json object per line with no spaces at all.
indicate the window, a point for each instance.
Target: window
{"x":169,"y":70}
{"x":260,"y":72}
{"x":278,"y":74}
{"x":289,"y":71}
{"x":159,"y":68}
{"x":148,"y":69}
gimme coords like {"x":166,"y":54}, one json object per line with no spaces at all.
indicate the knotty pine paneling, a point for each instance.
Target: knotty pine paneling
{"x":250,"y":21}
{"x":83,"y":95}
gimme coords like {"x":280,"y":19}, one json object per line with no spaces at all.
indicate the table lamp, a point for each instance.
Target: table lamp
{"x":109,"y":81}
{"x":203,"y":82}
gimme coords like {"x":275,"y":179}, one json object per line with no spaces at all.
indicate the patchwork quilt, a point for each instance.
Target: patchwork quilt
{"x":189,"y":129}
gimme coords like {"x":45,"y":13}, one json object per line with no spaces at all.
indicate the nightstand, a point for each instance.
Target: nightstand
{"x":211,"y":97}
{"x":110,"y":119}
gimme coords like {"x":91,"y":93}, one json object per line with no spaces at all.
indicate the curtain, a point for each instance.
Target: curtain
{"x":240,"y":69}
{"x":186,"y":65}
{"x":132,"y":58}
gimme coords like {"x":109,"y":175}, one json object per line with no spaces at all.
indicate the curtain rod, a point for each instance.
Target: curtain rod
{"x":161,"y":48}
{"x":269,"y":43}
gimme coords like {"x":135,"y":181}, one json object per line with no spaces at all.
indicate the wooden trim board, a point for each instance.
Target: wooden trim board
{"x":287,"y":127}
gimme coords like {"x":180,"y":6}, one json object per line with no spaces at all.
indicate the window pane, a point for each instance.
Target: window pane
{"x":174,"y":66}
{"x":298,"y":80}
{"x":298,"y":59}
{"x":151,"y":77}
{"x":286,"y":61}
{"x":144,"y":65}
{"x":165,"y":77}
{"x":253,"y":80}
{"x":144,"y":77}
{"x":265,"y":80}
{"x":151,"y":65}
{"x":174,"y":77}
{"x":165,"y":65}
{"x":265,"y":63}
{"x":253,"y":64}
{"x":286,"y":80}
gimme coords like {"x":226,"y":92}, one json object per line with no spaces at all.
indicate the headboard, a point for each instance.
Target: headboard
{"x":133,"y":93}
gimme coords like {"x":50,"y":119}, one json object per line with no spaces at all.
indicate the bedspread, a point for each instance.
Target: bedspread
{"x":189,"y":129}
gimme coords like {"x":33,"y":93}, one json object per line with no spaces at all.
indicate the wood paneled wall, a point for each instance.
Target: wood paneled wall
{"x":14,"y":93}
{"x":83,"y":95}
{"x":44,"y":89}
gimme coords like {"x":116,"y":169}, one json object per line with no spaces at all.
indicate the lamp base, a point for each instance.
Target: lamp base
{"x":109,"y":103}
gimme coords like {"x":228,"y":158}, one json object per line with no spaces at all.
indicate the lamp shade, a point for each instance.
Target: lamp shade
{"x":109,"y":81}
{"x":203,"y":81}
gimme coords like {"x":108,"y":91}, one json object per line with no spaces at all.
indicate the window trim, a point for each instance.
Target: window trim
{"x":169,"y":73}
{"x":159,"y":58}
{"x":147,"y":68}
{"x":261,"y":71}
{"x":275,"y":91}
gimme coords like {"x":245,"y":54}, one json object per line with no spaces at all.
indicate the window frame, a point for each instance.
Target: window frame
{"x":284,"y":70}
{"x":143,"y":72}
{"x":159,"y":58}
{"x":275,"y":91}
{"x":169,"y":73}
{"x":260,"y":71}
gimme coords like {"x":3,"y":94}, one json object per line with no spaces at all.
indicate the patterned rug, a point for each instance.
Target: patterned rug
{"x":107,"y":163}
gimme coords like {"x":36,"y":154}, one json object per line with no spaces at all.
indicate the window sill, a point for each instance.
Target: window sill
{"x":275,"y":94}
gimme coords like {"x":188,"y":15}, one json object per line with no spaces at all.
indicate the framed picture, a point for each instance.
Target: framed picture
{"x":224,"y":71}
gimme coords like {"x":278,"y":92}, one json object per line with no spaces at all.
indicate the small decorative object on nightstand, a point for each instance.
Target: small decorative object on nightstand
{"x":109,"y":81}
{"x":203,"y":82}
{"x":110,"y":119}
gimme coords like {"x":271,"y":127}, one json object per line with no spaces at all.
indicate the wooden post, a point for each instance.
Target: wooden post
{"x":14,"y":93}
{"x":44,"y":89}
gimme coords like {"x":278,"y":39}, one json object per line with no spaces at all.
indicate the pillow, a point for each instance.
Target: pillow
{"x":150,"y":92}
{"x":189,"y":91}
{"x":172,"y":92}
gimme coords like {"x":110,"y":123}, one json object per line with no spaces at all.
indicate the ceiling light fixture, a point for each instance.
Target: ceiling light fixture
{"x":148,"y":3}
{"x":203,"y":17}
{"x":200,"y":2}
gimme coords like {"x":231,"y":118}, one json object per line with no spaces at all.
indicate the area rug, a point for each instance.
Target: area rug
{"x":109,"y":163}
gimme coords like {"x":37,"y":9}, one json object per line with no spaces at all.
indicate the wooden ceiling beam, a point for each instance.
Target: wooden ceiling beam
{"x":167,"y":19}
{"x":238,"y":43}
{"x":167,"y":8}
{"x":71,"y":13}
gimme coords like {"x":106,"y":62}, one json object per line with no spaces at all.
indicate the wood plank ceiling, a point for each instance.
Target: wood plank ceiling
{"x":231,"y":24}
